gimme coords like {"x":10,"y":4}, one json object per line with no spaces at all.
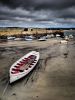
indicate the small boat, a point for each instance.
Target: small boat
{"x":48,"y":36}
{"x":29,"y":38}
{"x":66,"y":38}
{"x":42,"y":39}
{"x":23,"y":66}
{"x":63,"y":42}
{"x":18,"y":39}
{"x":70,"y":36}
{"x":10,"y":38}
{"x":57,"y":35}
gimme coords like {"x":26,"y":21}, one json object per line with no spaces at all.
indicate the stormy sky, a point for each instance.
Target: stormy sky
{"x":37,"y":13}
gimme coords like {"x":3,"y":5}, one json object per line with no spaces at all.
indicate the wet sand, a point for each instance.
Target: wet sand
{"x":52,"y":79}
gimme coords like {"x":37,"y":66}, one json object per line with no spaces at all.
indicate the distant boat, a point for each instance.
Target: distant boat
{"x":29,"y":38}
{"x":48,"y":36}
{"x":63,"y":41}
{"x":70,"y":36}
{"x":57,"y":35}
{"x":42,"y":38}
{"x":66,"y":38}
{"x":52,"y":35}
{"x":17,"y":39}
{"x":23,"y":66}
{"x":10,"y":38}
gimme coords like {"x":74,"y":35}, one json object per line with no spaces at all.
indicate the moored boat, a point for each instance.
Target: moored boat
{"x":63,"y":41}
{"x":29,"y":38}
{"x":23,"y":66}
{"x":42,"y":38}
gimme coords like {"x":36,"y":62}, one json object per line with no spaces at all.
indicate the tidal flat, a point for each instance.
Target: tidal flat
{"x":53,"y":78}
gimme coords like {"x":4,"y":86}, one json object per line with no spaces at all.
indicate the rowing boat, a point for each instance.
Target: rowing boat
{"x":23,"y":66}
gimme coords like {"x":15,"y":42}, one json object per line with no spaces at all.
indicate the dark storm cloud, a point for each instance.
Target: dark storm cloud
{"x":39,"y":4}
{"x":55,"y":5}
{"x":14,"y":14}
{"x":26,"y":4}
{"x":68,"y":13}
{"x":43,"y":11}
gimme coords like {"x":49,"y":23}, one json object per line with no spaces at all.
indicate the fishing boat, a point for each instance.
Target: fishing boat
{"x":23,"y":66}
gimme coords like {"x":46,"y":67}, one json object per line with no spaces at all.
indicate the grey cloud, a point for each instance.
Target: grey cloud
{"x":42,"y":11}
{"x":39,"y":4}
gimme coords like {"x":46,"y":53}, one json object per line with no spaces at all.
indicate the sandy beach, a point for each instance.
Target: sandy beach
{"x":52,"y":79}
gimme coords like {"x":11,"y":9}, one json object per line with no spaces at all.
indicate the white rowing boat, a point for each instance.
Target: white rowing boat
{"x":23,"y":66}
